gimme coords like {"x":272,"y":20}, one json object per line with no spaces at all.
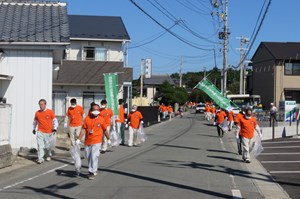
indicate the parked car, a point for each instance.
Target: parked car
{"x":200,"y":108}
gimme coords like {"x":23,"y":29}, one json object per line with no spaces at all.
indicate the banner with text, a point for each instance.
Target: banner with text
{"x":214,"y":93}
{"x":111,"y":91}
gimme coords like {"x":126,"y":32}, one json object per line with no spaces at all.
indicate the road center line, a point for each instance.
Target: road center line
{"x":284,"y":171}
{"x":266,"y":162}
{"x":236,"y":194}
{"x":29,"y":179}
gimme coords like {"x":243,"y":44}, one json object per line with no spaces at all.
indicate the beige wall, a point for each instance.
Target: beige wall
{"x":114,"y":53}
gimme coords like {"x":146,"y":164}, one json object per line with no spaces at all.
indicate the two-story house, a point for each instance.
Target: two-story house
{"x":98,"y":45}
{"x":276,"y":72}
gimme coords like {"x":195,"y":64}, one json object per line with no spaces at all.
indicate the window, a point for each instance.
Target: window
{"x":93,"y":53}
{"x":59,"y":102}
{"x":292,"y":68}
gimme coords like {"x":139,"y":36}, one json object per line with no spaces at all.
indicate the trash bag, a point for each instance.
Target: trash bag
{"x":115,"y":137}
{"x":224,"y":126}
{"x":257,"y":147}
{"x":141,"y":136}
{"x":50,"y":142}
{"x":75,"y":153}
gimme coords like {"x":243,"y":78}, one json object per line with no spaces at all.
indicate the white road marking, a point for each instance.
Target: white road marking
{"x":278,"y":142}
{"x":222,"y":144}
{"x":279,"y":154}
{"x":236,"y":194}
{"x":42,"y":174}
{"x":266,"y":162}
{"x":284,"y":171}
{"x":280,"y":147}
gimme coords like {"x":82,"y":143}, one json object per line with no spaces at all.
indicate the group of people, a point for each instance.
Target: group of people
{"x":166,"y":111}
{"x":94,"y":129}
{"x":245,"y":126}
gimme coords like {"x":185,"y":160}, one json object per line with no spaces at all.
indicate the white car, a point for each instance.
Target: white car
{"x":200,"y":108}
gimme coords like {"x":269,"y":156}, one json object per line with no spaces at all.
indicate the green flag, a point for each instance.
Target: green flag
{"x":111,"y":91}
{"x":214,"y":93}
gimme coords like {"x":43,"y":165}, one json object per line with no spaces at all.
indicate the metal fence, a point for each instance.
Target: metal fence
{"x":5,"y":123}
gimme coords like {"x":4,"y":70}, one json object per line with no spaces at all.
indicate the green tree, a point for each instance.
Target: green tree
{"x":169,"y":94}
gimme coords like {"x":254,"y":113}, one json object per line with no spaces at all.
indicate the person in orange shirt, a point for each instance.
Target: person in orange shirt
{"x":170,"y":111}
{"x":213,"y":112}
{"x":237,"y":119}
{"x":75,"y":115}
{"x":47,"y":124}
{"x":135,"y":119}
{"x":220,"y":118}
{"x":230,"y":116}
{"x":120,"y":122}
{"x":107,"y":115}
{"x":207,"y":112}
{"x":93,"y":128}
{"x":247,"y":125}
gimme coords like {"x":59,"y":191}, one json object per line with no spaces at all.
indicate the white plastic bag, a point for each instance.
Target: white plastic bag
{"x":257,"y":147}
{"x":75,"y":153}
{"x":141,"y":136}
{"x":114,"y":137}
{"x":224,"y":126}
{"x":50,"y":144}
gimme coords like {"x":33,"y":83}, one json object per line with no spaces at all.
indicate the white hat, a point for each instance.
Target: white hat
{"x":271,"y":104}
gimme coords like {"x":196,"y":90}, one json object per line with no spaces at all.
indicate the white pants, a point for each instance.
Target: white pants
{"x":43,"y":142}
{"x":92,"y":153}
{"x":246,"y":144}
{"x":132,"y":136}
{"x":230,"y":124}
{"x":104,"y":140}
{"x":74,"y":133}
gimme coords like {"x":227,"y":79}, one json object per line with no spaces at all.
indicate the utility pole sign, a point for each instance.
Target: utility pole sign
{"x":148,"y":68}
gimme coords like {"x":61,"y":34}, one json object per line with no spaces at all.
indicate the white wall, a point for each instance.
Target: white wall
{"x":32,"y":80}
{"x":114,"y":52}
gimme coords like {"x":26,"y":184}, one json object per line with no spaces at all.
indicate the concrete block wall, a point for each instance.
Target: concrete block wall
{"x":6,"y":156}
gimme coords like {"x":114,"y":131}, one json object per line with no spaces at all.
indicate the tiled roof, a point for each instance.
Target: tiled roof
{"x":283,"y":50}
{"x":30,"y":21}
{"x":97,"y":27}
{"x":158,"y":80}
{"x":90,"y":72}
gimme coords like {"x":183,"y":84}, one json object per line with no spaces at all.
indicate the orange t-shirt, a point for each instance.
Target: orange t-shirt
{"x":220,"y":117}
{"x":207,"y":109}
{"x":230,"y":116}
{"x":135,"y":118}
{"x":170,"y":109}
{"x":247,"y":127}
{"x":44,"y":120}
{"x":106,"y":113}
{"x":237,"y":118}
{"x":75,"y":115}
{"x":96,"y":126}
{"x":121,"y":118}
{"x":164,"y":109}
{"x":212,"y":110}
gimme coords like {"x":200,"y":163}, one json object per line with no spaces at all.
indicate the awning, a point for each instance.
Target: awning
{"x":6,"y":77}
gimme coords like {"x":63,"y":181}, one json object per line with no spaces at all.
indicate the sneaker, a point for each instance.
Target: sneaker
{"x":247,"y":161}
{"x":48,"y":159}
{"x":91,"y":176}
{"x":40,"y":161}
{"x":102,"y":152}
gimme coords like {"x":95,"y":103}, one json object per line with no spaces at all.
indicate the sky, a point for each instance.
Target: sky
{"x":196,"y":29}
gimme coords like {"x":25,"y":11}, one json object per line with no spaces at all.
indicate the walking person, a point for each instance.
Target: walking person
{"x":107,"y":115}
{"x":46,"y":124}
{"x":93,"y":129}
{"x":230,"y":116}
{"x":238,"y":137}
{"x":74,"y":117}
{"x":135,"y":119}
{"x":120,"y":122}
{"x":247,"y":125}
{"x":273,"y":112}
{"x":220,"y":119}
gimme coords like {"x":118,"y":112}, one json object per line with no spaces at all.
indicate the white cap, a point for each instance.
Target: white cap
{"x":271,"y":104}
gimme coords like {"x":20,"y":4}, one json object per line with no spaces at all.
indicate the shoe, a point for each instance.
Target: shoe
{"x":40,"y":161}
{"x":247,"y":161}
{"x":102,"y":152}
{"x":48,"y":159}
{"x":129,"y":145}
{"x":91,"y":176}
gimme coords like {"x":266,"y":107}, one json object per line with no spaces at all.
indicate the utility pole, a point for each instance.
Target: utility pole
{"x":142,"y":81}
{"x":242,"y":50}
{"x":180,"y":73}
{"x":204,"y":69}
{"x":226,"y":36}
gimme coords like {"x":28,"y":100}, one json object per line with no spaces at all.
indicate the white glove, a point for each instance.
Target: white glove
{"x":126,"y":125}
{"x":108,"y":142}
{"x":142,"y":122}
{"x":77,"y":141}
{"x":65,"y":125}
{"x":237,"y":136}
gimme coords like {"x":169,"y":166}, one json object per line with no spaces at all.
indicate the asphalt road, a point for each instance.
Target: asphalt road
{"x":281,"y":158}
{"x":182,"y":158}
